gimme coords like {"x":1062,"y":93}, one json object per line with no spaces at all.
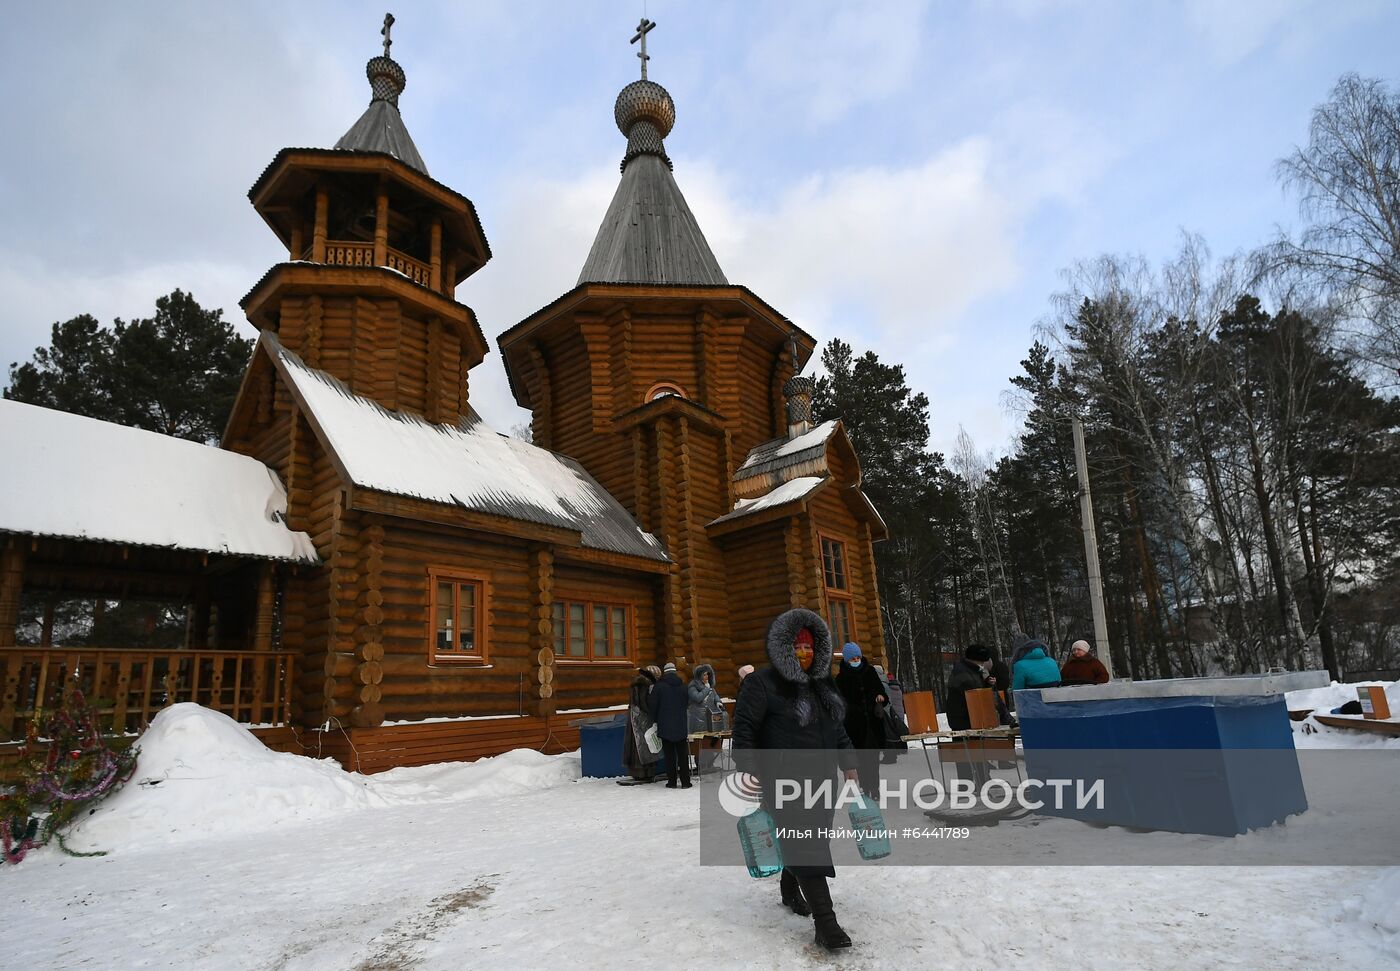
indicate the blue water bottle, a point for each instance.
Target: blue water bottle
{"x":761,"y":851}
{"x":872,"y":839}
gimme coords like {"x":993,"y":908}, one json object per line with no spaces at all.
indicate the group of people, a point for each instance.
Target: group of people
{"x":1031,"y":667}
{"x":662,"y":713}
{"x":846,"y":723}
{"x":842,"y":724}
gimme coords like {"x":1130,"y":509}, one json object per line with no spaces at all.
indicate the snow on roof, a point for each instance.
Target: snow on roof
{"x":468,"y":465}
{"x":793,"y":490}
{"x":81,"y":478}
{"x":781,"y":452}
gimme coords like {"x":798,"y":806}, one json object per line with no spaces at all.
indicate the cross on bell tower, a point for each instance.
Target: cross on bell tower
{"x":643,"y":28}
{"x":388,"y":25}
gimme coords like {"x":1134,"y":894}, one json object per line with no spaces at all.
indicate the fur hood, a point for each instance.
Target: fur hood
{"x":781,"y":635}
{"x":702,"y":669}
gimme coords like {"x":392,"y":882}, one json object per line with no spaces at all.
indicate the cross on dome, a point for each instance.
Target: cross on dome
{"x":643,"y":28}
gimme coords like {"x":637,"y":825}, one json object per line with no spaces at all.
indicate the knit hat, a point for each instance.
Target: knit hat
{"x":803,"y":638}
{"x":851,"y":651}
{"x":1080,"y":644}
{"x":653,"y":670}
{"x":669,"y":667}
{"x":976,"y":652}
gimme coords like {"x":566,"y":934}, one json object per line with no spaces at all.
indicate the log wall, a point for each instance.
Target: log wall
{"x":404,"y":362}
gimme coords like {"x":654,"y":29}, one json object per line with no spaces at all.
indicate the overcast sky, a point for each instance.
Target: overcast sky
{"x":910,"y":177}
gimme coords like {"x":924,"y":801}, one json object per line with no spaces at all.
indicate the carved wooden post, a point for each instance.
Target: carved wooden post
{"x":199,"y":620}
{"x":792,"y":548}
{"x":541,"y":630}
{"x":266,"y":602}
{"x":368,"y":671}
{"x":875,"y":619}
{"x":449,"y":278}
{"x":381,"y":227}
{"x":297,"y":244}
{"x":46,"y":631}
{"x":318,"y":234}
{"x":435,"y":254}
{"x":11,"y":586}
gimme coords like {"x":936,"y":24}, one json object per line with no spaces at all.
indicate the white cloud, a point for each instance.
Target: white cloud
{"x":824,"y":59}
{"x":37,"y":296}
{"x":889,"y":258}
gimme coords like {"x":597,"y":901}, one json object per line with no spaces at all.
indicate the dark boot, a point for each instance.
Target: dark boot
{"x":792,"y":895}
{"x":829,"y":933}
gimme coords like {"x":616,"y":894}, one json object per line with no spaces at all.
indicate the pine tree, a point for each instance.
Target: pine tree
{"x":176,"y":372}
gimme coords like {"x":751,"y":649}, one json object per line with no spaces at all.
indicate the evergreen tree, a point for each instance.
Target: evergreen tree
{"x":176,"y":372}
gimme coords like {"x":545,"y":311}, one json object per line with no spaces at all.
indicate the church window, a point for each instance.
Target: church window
{"x":834,"y":563}
{"x":585,"y":631}
{"x":839,"y":610}
{"x":458,"y":616}
{"x":665,"y":389}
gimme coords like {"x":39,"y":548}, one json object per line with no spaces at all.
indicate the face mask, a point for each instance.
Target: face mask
{"x":854,"y":662}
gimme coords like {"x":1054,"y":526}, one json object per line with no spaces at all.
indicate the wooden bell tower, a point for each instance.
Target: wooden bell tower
{"x":375,"y":248}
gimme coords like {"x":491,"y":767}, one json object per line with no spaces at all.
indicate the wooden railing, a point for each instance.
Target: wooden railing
{"x":348,"y":253}
{"x":128,"y":687}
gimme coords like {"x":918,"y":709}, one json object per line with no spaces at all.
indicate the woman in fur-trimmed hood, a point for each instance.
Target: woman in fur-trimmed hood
{"x":788,"y":724}
{"x":706,"y":711}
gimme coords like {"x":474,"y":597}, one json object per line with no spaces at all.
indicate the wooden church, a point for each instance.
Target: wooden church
{"x":470,"y":592}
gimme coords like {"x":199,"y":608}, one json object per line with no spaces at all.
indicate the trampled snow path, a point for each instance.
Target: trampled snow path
{"x":469,"y":867}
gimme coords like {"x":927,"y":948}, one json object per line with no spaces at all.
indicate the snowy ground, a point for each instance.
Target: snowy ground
{"x":243,"y":858}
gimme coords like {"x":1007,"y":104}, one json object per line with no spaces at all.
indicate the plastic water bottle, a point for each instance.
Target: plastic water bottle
{"x":869,"y":825}
{"x":761,"y":851}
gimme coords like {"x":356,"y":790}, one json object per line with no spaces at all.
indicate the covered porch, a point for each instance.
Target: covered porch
{"x":144,"y":568}
{"x":138,"y":629}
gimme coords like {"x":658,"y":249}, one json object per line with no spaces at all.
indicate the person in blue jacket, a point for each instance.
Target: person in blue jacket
{"x":1035,"y":669}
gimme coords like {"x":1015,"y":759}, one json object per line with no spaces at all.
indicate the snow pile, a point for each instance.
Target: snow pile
{"x":200,"y":774}
{"x":513,"y":773}
{"x":1378,"y":908}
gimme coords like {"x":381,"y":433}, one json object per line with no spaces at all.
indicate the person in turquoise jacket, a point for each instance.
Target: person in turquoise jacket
{"x":1036,"y":669}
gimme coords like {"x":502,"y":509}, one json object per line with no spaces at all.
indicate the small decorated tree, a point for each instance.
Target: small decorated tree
{"x":67,"y":767}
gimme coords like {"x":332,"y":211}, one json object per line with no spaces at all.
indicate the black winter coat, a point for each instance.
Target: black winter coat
{"x":965,"y":676}
{"x":764,"y":718}
{"x":860,"y":686}
{"x":668,"y":704}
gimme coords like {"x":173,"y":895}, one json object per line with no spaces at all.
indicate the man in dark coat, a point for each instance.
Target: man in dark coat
{"x":864,"y":695}
{"x":789,"y":723}
{"x":967,"y":674}
{"x":668,"y":704}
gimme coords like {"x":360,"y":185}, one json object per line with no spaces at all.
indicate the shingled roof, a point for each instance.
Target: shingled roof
{"x":649,"y":234}
{"x":381,"y":128}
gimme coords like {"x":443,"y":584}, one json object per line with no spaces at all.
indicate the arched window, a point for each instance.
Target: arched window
{"x":663,"y":389}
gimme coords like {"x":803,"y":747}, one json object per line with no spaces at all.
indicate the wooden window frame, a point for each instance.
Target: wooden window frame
{"x":589,"y":657}
{"x":457,"y":577}
{"x":670,"y":387}
{"x":837,"y":593}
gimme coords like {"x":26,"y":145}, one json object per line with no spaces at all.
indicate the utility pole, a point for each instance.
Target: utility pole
{"x":1091,"y":549}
